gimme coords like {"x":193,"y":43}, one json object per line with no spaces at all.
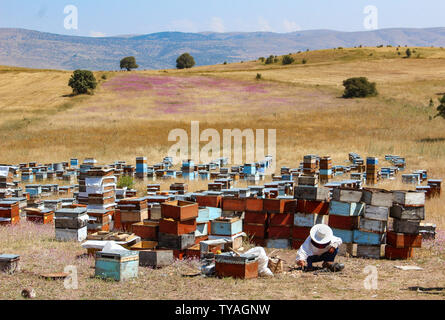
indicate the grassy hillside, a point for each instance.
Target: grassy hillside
{"x":131,"y":114}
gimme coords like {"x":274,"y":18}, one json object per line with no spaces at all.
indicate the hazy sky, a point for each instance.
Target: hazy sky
{"x":115,"y":17}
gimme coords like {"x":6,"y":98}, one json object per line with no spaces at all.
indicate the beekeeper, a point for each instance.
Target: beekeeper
{"x":320,"y":246}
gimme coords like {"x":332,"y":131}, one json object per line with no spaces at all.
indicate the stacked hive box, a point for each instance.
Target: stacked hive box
{"x":71,"y":224}
{"x":369,"y":239}
{"x":256,"y":220}
{"x":310,"y":164}
{"x":178,"y":226}
{"x":45,"y":216}
{"x":371,"y":170}
{"x":326,"y":172}
{"x":280,"y":222}
{"x":141,"y":167}
{"x":435,"y":186}
{"x":181,"y":188}
{"x":407,"y":212}
{"x":311,"y":209}
{"x":6,"y":178}
{"x":209,"y":210}
{"x":344,"y":213}
{"x":227,"y":228}
{"x":9,"y":212}
{"x":101,"y":193}
{"x":131,"y":211}
{"x":82,"y":197}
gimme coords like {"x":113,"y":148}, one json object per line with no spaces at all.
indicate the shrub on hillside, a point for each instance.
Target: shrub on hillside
{"x":129,"y":63}
{"x":258,"y":76}
{"x":82,"y":81}
{"x":185,"y":61}
{"x":125,"y":181}
{"x":288,"y":60}
{"x":304,"y":61}
{"x":441,"y":108}
{"x":270,"y":59}
{"x":359,"y":88}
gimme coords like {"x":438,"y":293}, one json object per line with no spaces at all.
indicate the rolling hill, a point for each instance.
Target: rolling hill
{"x":33,"y":49}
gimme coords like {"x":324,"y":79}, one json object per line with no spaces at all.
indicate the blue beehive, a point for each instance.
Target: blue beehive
{"x":347,"y":236}
{"x":368,"y":238}
{"x":74,"y":162}
{"x":119,"y":266}
{"x":346,"y":209}
{"x":249,"y":168}
{"x":372,"y":161}
{"x":206,"y":214}
{"x":34,"y":189}
{"x":227,"y":227}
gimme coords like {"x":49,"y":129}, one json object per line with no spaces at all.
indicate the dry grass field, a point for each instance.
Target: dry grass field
{"x":131,"y":114}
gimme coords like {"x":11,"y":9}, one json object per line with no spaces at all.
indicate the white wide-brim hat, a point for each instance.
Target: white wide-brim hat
{"x":321,"y":234}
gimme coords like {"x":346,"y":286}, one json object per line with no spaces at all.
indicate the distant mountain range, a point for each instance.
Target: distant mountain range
{"x":33,"y":49}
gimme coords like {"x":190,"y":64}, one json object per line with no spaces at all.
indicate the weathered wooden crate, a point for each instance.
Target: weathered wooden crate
{"x":311,"y":193}
{"x":309,"y":206}
{"x":377,"y":197}
{"x":227,"y":227}
{"x":346,"y":208}
{"x":254,"y":205}
{"x":179,"y":210}
{"x":366,"y":251}
{"x":347,"y":236}
{"x":175,"y":242}
{"x":368,"y":238}
{"x":398,"y":253}
{"x":373,"y":225}
{"x":347,"y":195}
{"x":401,"y":240}
{"x":206,"y":214}
{"x":177,"y":227}
{"x":406,"y":226}
{"x":309,"y":220}
{"x":243,"y":267}
{"x":77,"y":235}
{"x":407,"y":213}
{"x":117,"y":266}
{"x":344,"y":222}
{"x":409,"y":198}
{"x":9,"y":263}
{"x":376,"y":213}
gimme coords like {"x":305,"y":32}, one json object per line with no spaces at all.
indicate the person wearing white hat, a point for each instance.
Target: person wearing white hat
{"x":320,"y":246}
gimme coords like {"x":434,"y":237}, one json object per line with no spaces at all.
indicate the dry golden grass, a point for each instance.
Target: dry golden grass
{"x":41,"y":254}
{"x":40,"y":122}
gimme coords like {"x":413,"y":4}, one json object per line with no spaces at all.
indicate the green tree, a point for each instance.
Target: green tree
{"x":129,"y":63}
{"x":270,"y":59}
{"x":359,"y":88}
{"x":287,"y":59}
{"x":441,"y":108}
{"x":185,"y":61}
{"x":82,"y":81}
{"x":304,"y":61}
